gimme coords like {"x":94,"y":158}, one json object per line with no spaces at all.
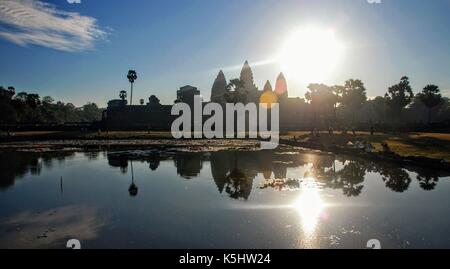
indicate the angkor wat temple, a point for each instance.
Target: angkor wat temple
{"x":156,"y":116}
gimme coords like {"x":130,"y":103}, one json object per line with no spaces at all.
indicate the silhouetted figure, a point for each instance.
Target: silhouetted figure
{"x":386,"y":148}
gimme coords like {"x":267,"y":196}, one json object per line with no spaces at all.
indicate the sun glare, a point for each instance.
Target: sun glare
{"x":310,"y":55}
{"x":309,"y":205}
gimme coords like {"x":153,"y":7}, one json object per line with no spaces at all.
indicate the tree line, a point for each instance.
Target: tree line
{"x":338,"y":106}
{"x":30,"y":108}
{"x":348,"y":105}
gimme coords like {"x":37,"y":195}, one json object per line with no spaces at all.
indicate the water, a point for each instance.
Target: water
{"x":272,"y":199}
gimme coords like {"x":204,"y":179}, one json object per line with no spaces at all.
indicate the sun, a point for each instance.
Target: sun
{"x":311,"y":55}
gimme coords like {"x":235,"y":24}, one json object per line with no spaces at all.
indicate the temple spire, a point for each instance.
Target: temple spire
{"x":219,"y":88}
{"x":281,"y":88}
{"x":247,"y":76}
{"x":268,"y":87}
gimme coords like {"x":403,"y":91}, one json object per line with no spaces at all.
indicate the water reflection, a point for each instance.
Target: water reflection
{"x":133,"y":189}
{"x":15,"y":165}
{"x":234,"y":173}
{"x":51,"y":228}
{"x":310,"y":207}
{"x":428,"y":179}
{"x":297,"y":199}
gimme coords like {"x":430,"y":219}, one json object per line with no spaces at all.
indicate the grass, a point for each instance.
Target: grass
{"x":432,"y":145}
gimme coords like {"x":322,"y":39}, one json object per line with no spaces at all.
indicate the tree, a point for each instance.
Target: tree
{"x":399,"y":96}
{"x":236,"y":92}
{"x":354,"y":96}
{"x":123,"y":95}
{"x":33,"y":100}
{"x":30,"y":108}
{"x":21,"y":97}
{"x":336,"y":98}
{"x":5,"y":94}
{"x":132,"y":76}
{"x":352,"y":179}
{"x":320,"y":97}
{"x":379,"y":106}
{"x":48,"y":100}
{"x":91,"y":112}
{"x":430,"y":97}
{"x":7,"y":112}
{"x":154,"y":101}
{"x":11,"y":91}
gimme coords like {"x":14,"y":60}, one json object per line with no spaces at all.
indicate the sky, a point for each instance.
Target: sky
{"x":80,"y":51}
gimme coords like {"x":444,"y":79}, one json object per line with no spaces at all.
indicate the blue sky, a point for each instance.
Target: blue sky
{"x":85,"y":54}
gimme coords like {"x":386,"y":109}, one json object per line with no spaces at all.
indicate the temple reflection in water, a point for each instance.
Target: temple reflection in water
{"x":297,"y":199}
{"x":234,"y":172}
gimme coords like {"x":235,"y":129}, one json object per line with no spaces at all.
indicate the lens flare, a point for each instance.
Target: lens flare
{"x":268,"y":99}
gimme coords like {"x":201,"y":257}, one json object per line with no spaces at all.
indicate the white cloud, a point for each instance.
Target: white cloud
{"x":74,"y":1}
{"x":34,"y":22}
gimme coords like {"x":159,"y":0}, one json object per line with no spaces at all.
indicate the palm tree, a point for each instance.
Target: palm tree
{"x":123,"y":95}
{"x":133,"y":189}
{"x":132,"y":76}
{"x":430,"y":97}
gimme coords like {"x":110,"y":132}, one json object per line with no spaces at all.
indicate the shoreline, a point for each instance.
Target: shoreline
{"x":204,"y":145}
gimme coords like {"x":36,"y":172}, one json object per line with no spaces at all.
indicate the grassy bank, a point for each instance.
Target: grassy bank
{"x":431,"y":145}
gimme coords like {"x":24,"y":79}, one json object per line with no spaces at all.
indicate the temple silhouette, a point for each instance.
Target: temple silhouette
{"x":156,"y":116}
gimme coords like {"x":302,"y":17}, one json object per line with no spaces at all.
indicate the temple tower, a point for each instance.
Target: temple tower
{"x":268,"y":87}
{"x":219,"y":88}
{"x":249,"y":83}
{"x":281,"y":88}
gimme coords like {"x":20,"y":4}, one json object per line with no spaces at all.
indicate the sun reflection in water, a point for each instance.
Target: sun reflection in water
{"x":310,"y":208}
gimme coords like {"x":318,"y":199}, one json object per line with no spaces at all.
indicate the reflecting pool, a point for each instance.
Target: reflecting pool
{"x":227,"y":199}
